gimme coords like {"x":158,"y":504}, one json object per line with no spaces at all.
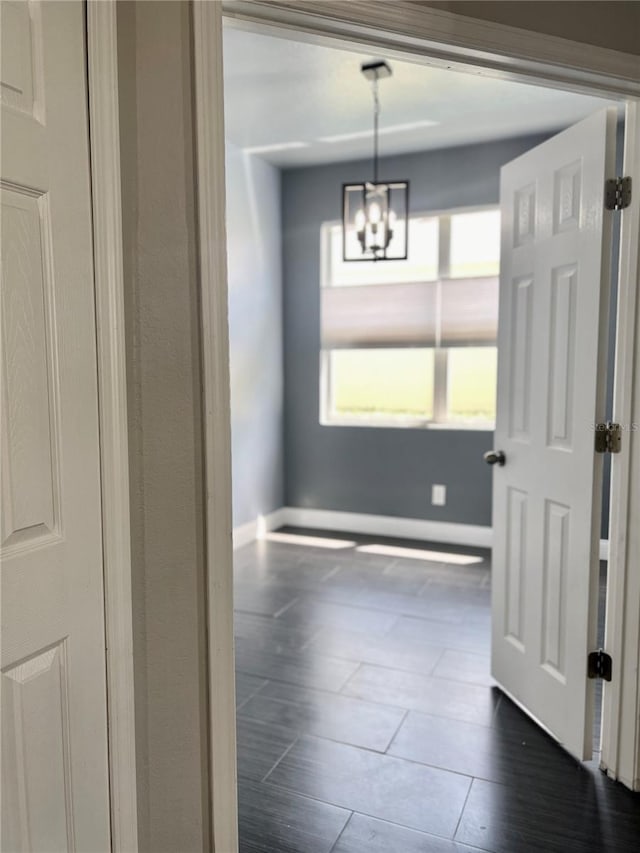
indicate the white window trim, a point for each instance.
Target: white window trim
{"x":439,"y":420}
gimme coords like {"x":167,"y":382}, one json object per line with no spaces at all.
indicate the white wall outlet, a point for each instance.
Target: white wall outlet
{"x":438,"y":495}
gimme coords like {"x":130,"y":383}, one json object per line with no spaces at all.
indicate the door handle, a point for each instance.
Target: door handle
{"x":494,"y":457}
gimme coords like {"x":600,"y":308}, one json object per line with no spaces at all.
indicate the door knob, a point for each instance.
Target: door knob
{"x":493,"y":457}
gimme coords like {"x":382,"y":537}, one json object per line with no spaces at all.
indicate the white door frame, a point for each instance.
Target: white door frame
{"x":102,"y":63}
{"x":406,"y":31}
{"x":621,"y":701}
{"x":397,"y":29}
{"x":210,"y":143}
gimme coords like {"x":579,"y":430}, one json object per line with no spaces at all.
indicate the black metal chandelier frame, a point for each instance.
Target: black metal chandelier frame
{"x":379,"y":205}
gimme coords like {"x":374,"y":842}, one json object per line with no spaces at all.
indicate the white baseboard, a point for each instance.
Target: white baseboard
{"x":387,"y":525}
{"x":252,"y":530}
{"x":447,"y":532}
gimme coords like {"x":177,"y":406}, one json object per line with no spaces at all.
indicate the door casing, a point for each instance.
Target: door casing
{"x":402,"y":31}
{"x":104,"y":141}
{"x":395,"y":30}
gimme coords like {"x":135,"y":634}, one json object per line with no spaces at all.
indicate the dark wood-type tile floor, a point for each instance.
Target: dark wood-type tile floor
{"x":368,"y":721}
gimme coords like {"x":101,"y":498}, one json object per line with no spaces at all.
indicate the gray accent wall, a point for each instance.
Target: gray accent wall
{"x":255,"y":333}
{"x":372,"y":469}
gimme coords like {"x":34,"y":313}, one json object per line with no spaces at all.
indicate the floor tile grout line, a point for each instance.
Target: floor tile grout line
{"x":464,"y":805}
{"x":423,"y":675}
{"x":467,"y":846}
{"x":442,"y":650}
{"x":342,"y":831}
{"x":299,"y":733}
{"x":252,"y":695}
{"x":376,"y":610}
{"x":423,"y":587}
{"x":436,"y":664}
{"x":395,"y":734}
{"x":387,"y":633}
{"x":275,"y":786}
{"x":284,"y":609}
{"x":331,"y":574}
{"x":353,"y":675}
{"x":330,"y":693}
{"x":305,"y":646}
{"x":284,"y":754}
{"x":341,"y":693}
{"x":426,"y":673}
{"x":288,"y":653}
{"x":414,"y":762}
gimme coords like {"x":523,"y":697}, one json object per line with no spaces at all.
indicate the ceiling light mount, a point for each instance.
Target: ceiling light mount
{"x":376,"y":70}
{"x":375,"y":213}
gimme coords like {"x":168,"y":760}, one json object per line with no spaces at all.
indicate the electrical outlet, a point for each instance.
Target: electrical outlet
{"x":438,"y":495}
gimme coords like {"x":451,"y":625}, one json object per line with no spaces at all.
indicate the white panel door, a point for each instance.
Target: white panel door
{"x":554,"y":292}
{"x":55,"y":794}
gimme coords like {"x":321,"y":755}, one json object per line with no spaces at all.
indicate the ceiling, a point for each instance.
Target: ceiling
{"x":288,"y":101}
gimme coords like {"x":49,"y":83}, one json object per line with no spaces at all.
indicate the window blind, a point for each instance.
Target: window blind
{"x":446,"y":313}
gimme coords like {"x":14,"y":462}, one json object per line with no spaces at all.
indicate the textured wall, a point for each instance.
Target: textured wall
{"x":605,"y":23}
{"x":255,"y":334}
{"x":376,"y":470}
{"x":164,"y":379}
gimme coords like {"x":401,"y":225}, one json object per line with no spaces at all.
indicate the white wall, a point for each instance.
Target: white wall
{"x":254,"y":258}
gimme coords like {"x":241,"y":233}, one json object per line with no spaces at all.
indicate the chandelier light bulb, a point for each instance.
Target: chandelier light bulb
{"x":375,"y":214}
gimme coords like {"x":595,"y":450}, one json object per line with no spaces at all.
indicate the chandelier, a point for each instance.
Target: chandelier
{"x":375,"y":213}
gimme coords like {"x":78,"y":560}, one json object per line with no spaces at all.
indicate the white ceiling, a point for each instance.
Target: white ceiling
{"x":284,"y":98}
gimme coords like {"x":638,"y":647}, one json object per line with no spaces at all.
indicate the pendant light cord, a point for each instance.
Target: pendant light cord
{"x":376,"y":114}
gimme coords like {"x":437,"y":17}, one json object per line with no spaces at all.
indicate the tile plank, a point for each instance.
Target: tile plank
{"x":246,"y":687}
{"x":379,"y":650}
{"x":276,"y":821}
{"x":327,"y":715}
{"x":455,"y":700}
{"x":260,"y":746}
{"x":297,"y":667}
{"x":369,"y":835}
{"x":315,"y":611}
{"x":380,"y":785}
{"x":504,"y":818}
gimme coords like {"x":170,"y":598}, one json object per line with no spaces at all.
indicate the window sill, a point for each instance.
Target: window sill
{"x":409,"y":423}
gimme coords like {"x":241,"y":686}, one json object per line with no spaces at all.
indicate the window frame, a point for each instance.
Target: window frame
{"x":440,"y":419}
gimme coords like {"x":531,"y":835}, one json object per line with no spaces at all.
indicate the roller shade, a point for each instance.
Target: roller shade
{"x":379,"y":315}
{"x":469,"y":312}
{"x":449,"y":313}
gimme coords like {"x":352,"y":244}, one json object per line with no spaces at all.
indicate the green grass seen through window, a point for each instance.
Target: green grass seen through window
{"x":390,"y":383}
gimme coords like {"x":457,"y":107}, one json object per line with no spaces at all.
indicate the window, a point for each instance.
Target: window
{"x":413,"y":343}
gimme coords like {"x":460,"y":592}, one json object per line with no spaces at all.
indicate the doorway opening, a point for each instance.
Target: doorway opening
{"x":317,"y":446}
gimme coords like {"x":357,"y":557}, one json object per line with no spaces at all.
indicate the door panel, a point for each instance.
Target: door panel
{"x":54,"y":727}
{"x":554,"y":292}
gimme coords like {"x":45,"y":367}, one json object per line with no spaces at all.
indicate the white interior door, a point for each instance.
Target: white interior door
{"x":55,"y":794}
{"x":554,"y":293}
